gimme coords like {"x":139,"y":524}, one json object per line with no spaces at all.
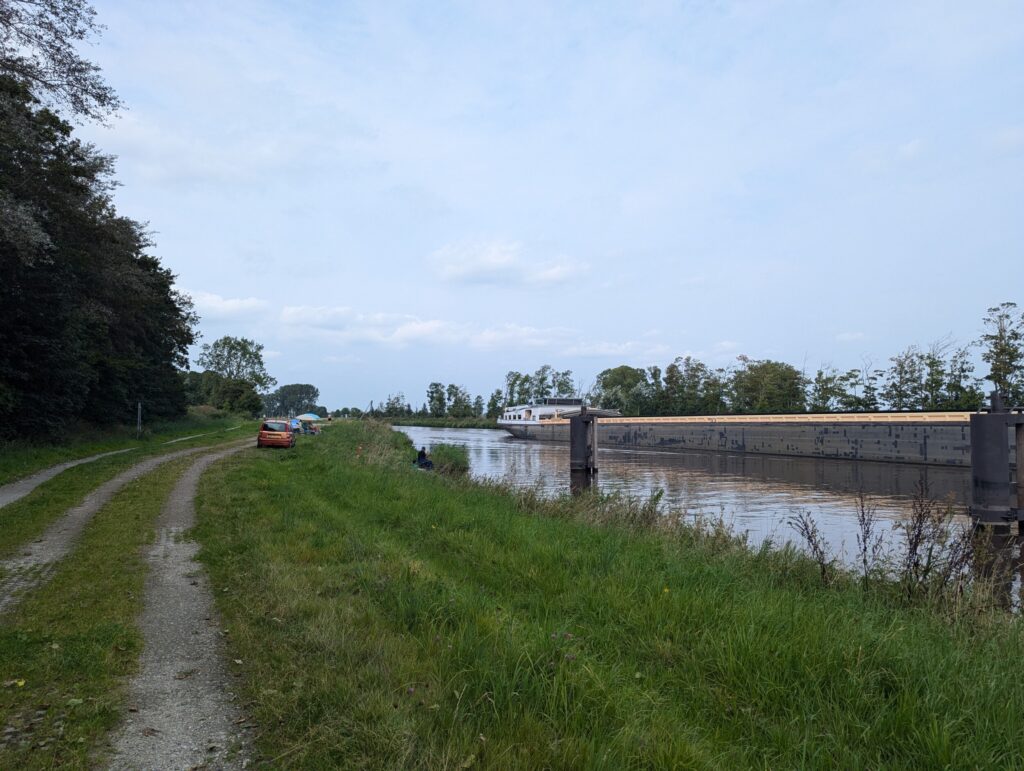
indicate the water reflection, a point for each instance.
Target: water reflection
{"x":757,"y":494}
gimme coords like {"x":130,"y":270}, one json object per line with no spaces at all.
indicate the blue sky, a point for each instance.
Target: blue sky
{"x":387,"y":193}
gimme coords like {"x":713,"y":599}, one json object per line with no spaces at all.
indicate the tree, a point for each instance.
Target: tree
{"x":460,"y":403}
{"x":1003,"y":350}
{"x":38,"y":42}
{"x":826,"y":390}
{"x":689,"y":385}
{"x":237,"y":396}
{"x":495,"y":404}
{"x":292,"y":399}
{"x":766,"y":387}
{"x":478,"y":406}
{"x":237,"y":358}
{"x":90,"y":322}
{"x":395,"y":406}
{"x":904,"y":384}
{"x":436,"y":400}
{"x":962,"y":389}
{"x":623,"y":388}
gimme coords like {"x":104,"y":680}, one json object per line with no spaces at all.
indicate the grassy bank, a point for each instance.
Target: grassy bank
{"x":23,"y":456}
{"x":444,"y":422}
{"x":66,"y":649}
{"x":389,"y":618}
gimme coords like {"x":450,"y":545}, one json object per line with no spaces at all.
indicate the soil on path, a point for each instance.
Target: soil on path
{"x":36,"y":562}
{"x":182,"y":711}
{"x":14,"y":491}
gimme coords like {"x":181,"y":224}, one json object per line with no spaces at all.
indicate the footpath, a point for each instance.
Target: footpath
{"x":180,"y":711}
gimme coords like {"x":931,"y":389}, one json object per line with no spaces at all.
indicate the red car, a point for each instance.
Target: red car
{"x":275,"y":432}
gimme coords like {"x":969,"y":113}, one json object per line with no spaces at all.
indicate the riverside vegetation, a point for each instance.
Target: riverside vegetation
{"x":381,"y":617}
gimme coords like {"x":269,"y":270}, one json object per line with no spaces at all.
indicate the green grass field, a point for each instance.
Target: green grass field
{"x":390,"y":618}
{"x":21,"y":457}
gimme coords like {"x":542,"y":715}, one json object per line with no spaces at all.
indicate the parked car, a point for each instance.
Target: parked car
{"x":275,"y":433}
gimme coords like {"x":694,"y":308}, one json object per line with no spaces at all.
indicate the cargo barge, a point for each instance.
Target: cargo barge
{"x":930,"y":438}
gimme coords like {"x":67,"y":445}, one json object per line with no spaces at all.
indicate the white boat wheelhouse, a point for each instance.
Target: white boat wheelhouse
{"x":545,"y":409}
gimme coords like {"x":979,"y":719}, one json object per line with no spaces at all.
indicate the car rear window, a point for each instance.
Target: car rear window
{"x":274,"y":426}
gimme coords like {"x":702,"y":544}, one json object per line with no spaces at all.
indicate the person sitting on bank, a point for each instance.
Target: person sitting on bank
{"x":422,"y":460}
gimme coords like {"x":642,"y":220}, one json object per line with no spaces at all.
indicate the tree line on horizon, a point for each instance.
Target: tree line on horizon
{"x":940,"y":377}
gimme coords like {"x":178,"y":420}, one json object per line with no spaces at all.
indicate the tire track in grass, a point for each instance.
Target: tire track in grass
{"x":182,"y":714}
{"x":15,"y":491}
{"x":18,"y":489}
{"x":36,"y":562}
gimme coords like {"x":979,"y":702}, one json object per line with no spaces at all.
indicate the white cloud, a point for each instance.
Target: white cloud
{"x":341,"y":325}
{"x":849,"y":337}
{"x":500,"y":263}
{"x":214,"y":306}
{"x":1009,"y":139}
{"x":910,"y":150}
{"x":629,"y":348}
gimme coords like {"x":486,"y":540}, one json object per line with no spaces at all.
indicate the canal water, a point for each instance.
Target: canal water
{"x":755,"y":494}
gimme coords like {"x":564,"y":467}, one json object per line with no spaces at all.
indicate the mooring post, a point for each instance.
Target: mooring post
{"x":1019,"y":451}
{"x":582,"y":450}
{"x":995,"y":500}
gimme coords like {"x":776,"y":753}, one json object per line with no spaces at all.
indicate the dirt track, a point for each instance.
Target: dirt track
{"x":13,"y":491}
{"x":37,"y":561}
{"x":182,"y":713}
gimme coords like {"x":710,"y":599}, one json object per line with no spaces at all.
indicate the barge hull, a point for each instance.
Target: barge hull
{"x":926,"y":442}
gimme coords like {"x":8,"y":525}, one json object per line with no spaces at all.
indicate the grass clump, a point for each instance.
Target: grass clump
{"x":393,"y":619}
{"x":450,"y":459}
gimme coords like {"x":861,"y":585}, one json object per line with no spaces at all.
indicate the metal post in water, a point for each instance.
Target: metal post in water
{"x":995,"y":501}
{"x":582,"y":450}
{"x":1019,"y":442}
{"x":138,"y":422}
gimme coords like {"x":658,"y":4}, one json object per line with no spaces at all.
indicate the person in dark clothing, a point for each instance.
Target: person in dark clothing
{"x":422,"y":460}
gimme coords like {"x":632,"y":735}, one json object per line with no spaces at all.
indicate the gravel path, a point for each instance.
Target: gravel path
{"x":182,"y":712}
{"x":37,"y":561}
{"x":9,"y":493}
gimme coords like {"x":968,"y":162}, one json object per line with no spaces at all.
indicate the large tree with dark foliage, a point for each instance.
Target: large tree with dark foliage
{"x":293,"y":399}
{"x":90,"y":322}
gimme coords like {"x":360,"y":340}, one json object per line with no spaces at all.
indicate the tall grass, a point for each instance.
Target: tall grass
{"x":393,"y":619}
{"x":450,"y":459}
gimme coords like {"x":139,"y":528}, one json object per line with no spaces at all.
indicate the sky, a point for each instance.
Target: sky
{"x":385,"y":194}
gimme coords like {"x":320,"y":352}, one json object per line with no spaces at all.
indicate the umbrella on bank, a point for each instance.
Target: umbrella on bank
{"x":309,"y":416}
